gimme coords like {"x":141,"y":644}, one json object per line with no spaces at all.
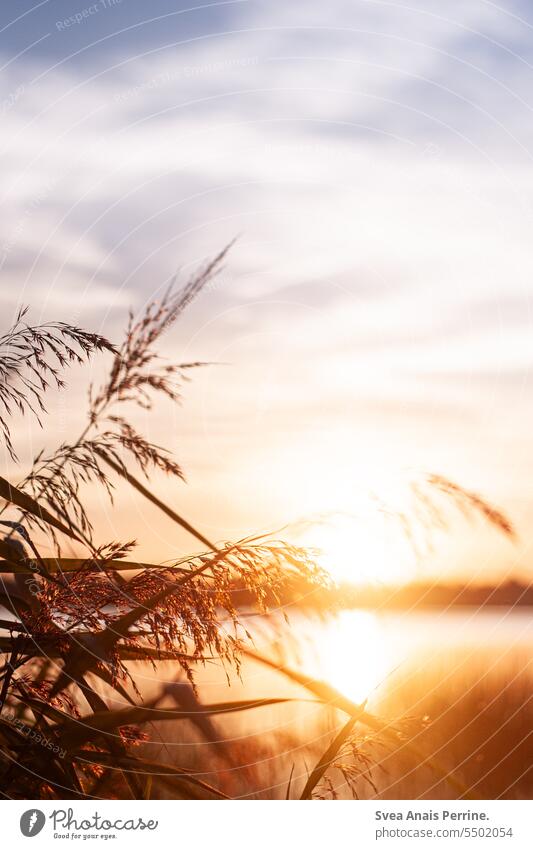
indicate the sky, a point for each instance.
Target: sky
{"x":373,"y":321}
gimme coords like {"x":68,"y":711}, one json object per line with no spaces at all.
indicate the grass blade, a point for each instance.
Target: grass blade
{"x":328,"y":758}
{"x":136,"y":484}
{"x":25,"y":502}
{"x":142,"y":767}
{"x":76,"y":732}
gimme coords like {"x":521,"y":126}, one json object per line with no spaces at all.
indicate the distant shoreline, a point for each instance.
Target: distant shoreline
{"x":423,"y":595}
{"x":414,"y":596}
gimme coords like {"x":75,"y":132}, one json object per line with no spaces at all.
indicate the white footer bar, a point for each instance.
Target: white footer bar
{"x":268,"y":825}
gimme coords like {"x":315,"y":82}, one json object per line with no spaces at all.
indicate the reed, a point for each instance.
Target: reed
{"x":75,"y":627}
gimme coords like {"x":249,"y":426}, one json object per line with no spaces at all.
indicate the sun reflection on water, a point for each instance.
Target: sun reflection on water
{"x":354,"y":654}
{"x":359,"y":652}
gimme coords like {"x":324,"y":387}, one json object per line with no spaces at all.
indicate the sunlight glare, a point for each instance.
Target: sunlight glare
{"x":363,"y":551}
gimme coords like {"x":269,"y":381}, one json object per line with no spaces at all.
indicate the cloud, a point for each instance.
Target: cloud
{"x":310,"y":139}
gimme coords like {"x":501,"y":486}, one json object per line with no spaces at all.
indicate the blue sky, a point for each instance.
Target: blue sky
{"x":374,"y":159}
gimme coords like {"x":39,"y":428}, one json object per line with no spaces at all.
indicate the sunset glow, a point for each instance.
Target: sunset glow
{"x":359,"y":552}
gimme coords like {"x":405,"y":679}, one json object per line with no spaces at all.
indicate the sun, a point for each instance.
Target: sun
{"x":362,"y":550}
